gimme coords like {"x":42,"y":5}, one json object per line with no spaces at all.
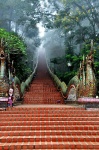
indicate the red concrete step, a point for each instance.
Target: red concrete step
{"x":39,"y":118}
{"x":52,"y":138}
{"x":52,"y":115}
{"x":50,"y":133}
{"x":50,"y":145}
{"x":37,"y":100}
{"x":51,"y":109}
{"x":46,"y":101}
{"x":45,"y":93}
{"x":56,"y":112}
{"x":47,"y":123}
{"x":50,"y":127}
{"x":47,"y":115}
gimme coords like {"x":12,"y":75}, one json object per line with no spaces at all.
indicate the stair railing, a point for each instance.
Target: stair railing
{"x":61,"y":86}
{"x":24,"y":86}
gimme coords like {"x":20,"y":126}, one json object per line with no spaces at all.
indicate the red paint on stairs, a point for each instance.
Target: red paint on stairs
{"x":49,"y":128}
{"x":42,"y":89}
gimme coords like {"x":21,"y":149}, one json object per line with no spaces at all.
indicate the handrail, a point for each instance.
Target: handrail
{"x":30,"y":78}
{"x":25,"y":85}
{"x":60,"y":84}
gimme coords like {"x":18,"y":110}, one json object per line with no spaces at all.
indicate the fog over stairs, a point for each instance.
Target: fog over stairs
{"x":42,"y":89}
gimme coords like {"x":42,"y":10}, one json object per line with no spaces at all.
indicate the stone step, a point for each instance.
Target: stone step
{"x":52,"y":138}
{"x":38,"y":118}
{"x":43,"y":96}
{"x":47,"y":123}
{"x":50,"y":133}
{"x":44,"y":100}
{"x":38,"y":101}
{"x":49,"y":127}
{"x":43,"y":93}
{"x":50,"y":145}
{"x":52,"y":109}
{"x":49,"y":112}
{"x":35,"y":114}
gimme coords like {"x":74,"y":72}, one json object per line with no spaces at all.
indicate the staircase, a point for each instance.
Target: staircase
{"x":42,"y":89}
{"x":49,"y":127}
{"x":45,"y":127}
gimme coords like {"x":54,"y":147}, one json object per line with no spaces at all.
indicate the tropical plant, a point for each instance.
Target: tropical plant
{"x":15,"y":50}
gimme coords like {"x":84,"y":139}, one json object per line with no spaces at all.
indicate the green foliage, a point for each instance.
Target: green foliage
{"x":74,"y":60}
{"x":16,"y":48}
{"x":80,"y":19}
{"x":12,"y":42}
{"x":68,"y":76}
{"x":22,"y":69}
{"x":60,"y":75}
{"x":56,"y":60}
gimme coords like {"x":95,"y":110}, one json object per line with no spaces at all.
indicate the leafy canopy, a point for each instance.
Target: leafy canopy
{"x":12,"y":42}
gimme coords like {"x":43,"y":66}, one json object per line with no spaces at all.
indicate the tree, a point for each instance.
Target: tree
{"x":21,"y":18}
{"x":79,"y":21}
{"x":15,"y":50}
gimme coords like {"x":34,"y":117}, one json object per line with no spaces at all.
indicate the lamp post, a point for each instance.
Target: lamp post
{"x":69,"y":64}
